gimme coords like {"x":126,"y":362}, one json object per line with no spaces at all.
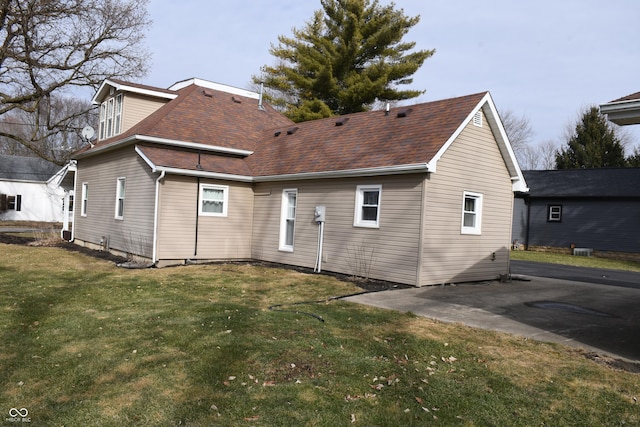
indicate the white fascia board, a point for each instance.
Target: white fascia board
{"x":433,"y":162}
{"x":620,"y":106}
{"x":193,"y":145}
{"x":215,"y":86}
{"x":517,"y":178}
{"x":187,"y":172}
{"x":386,"y":170}
{"x":202,"y":174}
{"x":493,"y":118}
{"x":146,"y":159}
{"x":167,"y":142}
{"x":394,"y":170}
{"x":133,"y":89}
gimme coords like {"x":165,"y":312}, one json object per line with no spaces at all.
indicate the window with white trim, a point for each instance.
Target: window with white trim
{"x":85,"y":198}
{"x":471,"y":213}
{"x":288,"y":219}
{"x":103,"y":118}
{"x":367,"y":211}
{"x":118,"y":114}
{"x":110,"y":103}
{"x":214,"y":200}
{"x":554,"y":213}
{"x":120,"y":198}
{"x":111,"y":117}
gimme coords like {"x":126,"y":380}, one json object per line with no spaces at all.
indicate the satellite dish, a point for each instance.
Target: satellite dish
{"x":88,"y":132}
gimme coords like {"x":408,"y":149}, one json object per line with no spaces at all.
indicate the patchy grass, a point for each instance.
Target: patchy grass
{"x":86,"y":343}
{"x":578,"y":261}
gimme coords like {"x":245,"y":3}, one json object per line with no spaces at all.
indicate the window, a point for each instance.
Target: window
{"x":120,"y":198}
{"x":554,"y":213}
{"x":471,"y":213}
{"x":103,"y":118}
{"x":213,"y":200}
{"x":111,"y":117}
{"x":85,"y":198}
{"x":118,"y":114}
{"x":288,"y":219}
{"x":367,"y":213}
{"x":14,"y":203}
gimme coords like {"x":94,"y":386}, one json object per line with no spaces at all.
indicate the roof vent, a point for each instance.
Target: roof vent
{"x":342,"y":121}
{"x":236,"y":100}
{"x":277,"y":133}
{"x":207,"y":93}
{"x":292,"y":130}
{"x":405,"y":112}
{"x":477,"y":118}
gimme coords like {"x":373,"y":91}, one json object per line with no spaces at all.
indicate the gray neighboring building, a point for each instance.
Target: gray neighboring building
{"x":588,"y":208}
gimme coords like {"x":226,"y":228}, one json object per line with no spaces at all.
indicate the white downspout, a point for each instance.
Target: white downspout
{"x":155,"y":218}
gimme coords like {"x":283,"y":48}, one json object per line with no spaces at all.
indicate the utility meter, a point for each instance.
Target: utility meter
{"x":319,"y":214}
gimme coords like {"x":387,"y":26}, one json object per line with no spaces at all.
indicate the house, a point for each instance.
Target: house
{"x":418,"y":195}
{"x":597,"y":209}
{"x":623,"y":111}
{"x":28,"y":191}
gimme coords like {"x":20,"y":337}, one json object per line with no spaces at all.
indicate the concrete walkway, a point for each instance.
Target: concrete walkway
{"x":600,"y":318}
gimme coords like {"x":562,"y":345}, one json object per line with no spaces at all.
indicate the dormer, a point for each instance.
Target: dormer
{"x":123,"y":105}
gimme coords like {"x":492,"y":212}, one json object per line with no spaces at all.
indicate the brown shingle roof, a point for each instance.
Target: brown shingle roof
{"x":189,"y":160}
{"x":204,"y":116}
{"x":407,"y":135}
{"x":632,"y":97}
{"x":365,"y":140}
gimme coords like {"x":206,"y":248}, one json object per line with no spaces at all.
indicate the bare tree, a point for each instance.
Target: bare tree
{"x":539,"y":156}
{"x":48,"y":49}
{"x":519,"y":131}
{"x":547,"y":154}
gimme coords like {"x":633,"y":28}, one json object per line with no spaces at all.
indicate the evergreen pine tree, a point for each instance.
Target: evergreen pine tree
{"x":594,"y":145}
{"x":346,"y":58}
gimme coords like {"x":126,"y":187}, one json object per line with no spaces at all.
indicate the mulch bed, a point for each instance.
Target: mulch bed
{"x":11,"y":239}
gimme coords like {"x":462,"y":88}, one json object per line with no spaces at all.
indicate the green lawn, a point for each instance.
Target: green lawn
{"x":85,"y":343}
{"x":578,"y":261}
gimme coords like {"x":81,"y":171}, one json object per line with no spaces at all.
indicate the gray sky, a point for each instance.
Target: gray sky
{"x":546,"y":60}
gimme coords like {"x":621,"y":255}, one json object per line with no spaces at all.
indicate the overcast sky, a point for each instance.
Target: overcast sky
{"x":546,"y":60}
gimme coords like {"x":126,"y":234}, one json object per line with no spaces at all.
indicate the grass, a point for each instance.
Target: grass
{"x":578,"y":261}
{"x":86,"y":343}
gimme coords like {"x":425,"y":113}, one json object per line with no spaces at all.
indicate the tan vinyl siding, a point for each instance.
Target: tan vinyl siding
{"x":388,"y":253}
{"x":219,"y":238}
{"x":137,"y":107}
{"x":134,"y":233}
{"x":472,"y":163}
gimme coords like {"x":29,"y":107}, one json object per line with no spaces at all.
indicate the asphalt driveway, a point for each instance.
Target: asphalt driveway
{"x":593,"y":316}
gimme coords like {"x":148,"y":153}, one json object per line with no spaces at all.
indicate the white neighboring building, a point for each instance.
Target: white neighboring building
{"x":29,"y":190}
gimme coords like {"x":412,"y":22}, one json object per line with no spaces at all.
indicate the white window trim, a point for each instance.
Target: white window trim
{"x":225,"y":200}
{"x":85,"y":199}
{"x":111,"y":116}
{"x":284,"y":216}
{"x":117,"y":122}
{"x":357,"y":216}
{"x":120,"y":196}
{"x":103,"y":120}
{"x":477,"y":229}
{"x":554,"y":213}
{"x":110,"y":111}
